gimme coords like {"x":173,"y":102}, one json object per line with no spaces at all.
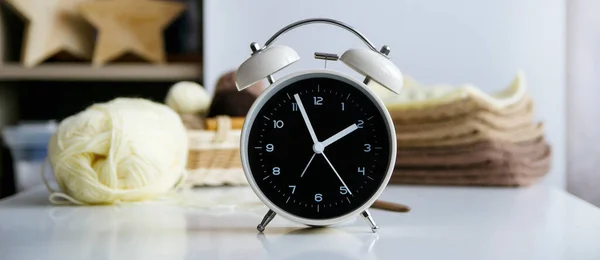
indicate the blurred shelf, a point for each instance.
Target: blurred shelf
{"x":112,"y":72}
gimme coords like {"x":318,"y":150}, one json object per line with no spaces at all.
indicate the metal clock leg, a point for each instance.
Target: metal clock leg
{"x":367,"y":216}
{"x":266,"y":219}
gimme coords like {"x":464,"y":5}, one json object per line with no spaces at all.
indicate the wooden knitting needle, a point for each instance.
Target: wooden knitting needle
{"x":390,"y":206}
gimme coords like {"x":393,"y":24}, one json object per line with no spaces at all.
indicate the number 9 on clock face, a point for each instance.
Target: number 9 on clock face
{"x":318,"y":146}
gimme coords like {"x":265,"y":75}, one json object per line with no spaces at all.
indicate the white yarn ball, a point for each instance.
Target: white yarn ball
{"x":188,"y":97}
{"x":123,"y":150}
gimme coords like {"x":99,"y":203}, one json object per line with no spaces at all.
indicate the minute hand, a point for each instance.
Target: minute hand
{"x":306,"y":120}
{"x":339,"y":135}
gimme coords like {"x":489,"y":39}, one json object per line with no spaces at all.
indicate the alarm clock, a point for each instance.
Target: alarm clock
{"x":318,"y":146}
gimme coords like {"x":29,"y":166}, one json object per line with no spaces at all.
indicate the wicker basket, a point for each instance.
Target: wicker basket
{"x":214,"y":153}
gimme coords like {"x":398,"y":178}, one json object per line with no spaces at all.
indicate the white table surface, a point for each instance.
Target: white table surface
{"x":445,"y":223}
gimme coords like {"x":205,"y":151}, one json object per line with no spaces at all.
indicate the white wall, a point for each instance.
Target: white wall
{"x":584,"y":108}
{"x":480,"y":42}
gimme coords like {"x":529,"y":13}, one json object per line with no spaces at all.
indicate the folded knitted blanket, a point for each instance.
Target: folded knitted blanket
{"x":512,"y":180}
{"x":512,"y":167}
{"x":418,"y":97}
{"x":460,"y":135}
{"x":485,"y":153}
{"x":509,"y":118}
{"x":469,"y":133}
{"x":443,"y":116}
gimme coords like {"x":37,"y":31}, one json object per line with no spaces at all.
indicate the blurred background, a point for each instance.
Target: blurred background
{"x":556,"y":43}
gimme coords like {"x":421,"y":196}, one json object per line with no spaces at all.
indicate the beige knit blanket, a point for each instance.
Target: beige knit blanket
{"x":450,"y":126}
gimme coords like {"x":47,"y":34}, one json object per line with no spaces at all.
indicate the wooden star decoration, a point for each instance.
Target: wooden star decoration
{"x":130,"y":26}
{"x":52,"y":27}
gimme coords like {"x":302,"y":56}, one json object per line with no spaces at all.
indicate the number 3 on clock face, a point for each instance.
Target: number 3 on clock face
{"x":318,"y":147}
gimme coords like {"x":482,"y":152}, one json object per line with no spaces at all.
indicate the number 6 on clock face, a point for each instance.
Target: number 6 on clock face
{"x":318,"y":146}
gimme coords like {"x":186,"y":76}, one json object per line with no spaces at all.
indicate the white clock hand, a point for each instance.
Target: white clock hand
{"x":339,"y":135}
{"x":336,"y":173}
{"x":306,"y":120}
{"x":309,"y":161}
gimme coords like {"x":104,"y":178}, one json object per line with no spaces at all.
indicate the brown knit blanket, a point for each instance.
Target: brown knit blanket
{"x":484,"y":163}
{"x":489,"y":153}
{"x":511,"y":180}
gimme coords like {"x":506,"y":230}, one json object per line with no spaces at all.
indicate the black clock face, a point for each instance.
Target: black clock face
{"x":329,"y":179}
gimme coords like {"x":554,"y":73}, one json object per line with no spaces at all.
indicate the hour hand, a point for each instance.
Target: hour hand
{"x":339,"y":135}
{"x":306,"y":120}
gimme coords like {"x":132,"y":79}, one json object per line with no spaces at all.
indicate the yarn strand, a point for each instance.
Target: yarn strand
{"x":56,"y":197}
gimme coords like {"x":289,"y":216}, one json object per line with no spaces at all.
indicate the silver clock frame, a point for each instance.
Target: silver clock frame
{"x":280,"y":85}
